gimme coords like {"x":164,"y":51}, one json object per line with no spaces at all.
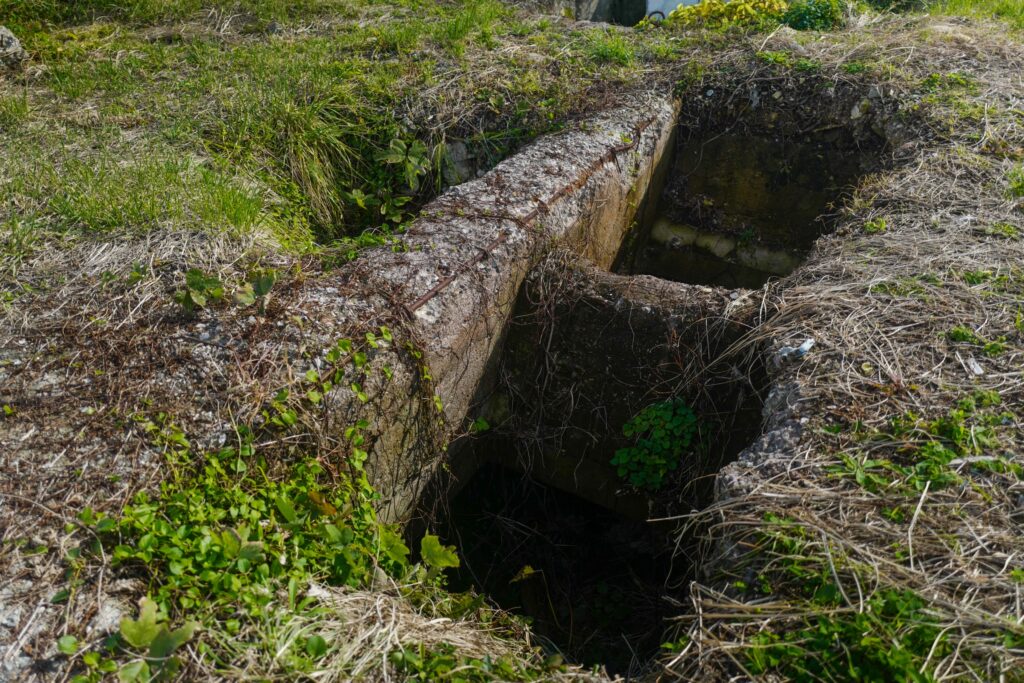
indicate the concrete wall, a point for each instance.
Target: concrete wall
{"x":470,"y":251}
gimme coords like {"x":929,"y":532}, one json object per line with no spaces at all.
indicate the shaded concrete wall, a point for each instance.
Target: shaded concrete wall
{"x":625,"y":12}
{"x":587,"y":351}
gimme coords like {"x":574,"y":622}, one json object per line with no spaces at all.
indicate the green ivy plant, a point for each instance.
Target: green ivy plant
{"x":234,"y":529}
{"x":257,"y":290}
{"x":662,"y":432}
{"x":200,"y":289}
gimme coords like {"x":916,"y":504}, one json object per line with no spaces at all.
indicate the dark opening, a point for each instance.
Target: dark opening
{"x":628,"y":12}
{"x":737,"y":209}
{"x":592,"y":582}
{"x":561,"y":540}
{"x":622,"y":12}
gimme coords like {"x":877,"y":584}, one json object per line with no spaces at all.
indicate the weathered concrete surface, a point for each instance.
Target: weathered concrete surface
{"x":11,"y":52}
{"x":588,"y":350}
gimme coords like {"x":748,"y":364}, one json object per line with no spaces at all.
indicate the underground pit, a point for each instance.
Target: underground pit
{"x":738,"y":207}
{"x":546,"y":525}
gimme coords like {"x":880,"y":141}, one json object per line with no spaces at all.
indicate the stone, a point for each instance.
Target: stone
{"x":459,"y":164}
{"x":11,"y":52}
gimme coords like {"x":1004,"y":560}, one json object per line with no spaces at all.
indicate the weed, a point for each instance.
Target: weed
{"x":808,"y":65}
{"x":891,"y":638}
{"x":663,"y":432}
{"x":1010,"y":11}
{"x":775,"y":57}
{"x":966,"y":335}
{"x":903,"y":287}
{"x":20,"y":237}
{"x":962,"y":333}
{"x":1004,"y":230}
{"x":927,"y":449}
{"x":1016,"y":182}
{"x":952,"y":81}
{"x":610,"y":46}
{"x":200,"y":289}
{"x":976,"y":277}
{"x":257,"y":290}
{"x":147,"y":634}
{"x":444,"y":664}
{"x":13,"y":110}
{"x":876,"y":226}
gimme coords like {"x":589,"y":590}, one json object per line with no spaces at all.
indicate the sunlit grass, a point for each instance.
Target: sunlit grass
{"x":305,"y":116}
{"x":1011,"y":11}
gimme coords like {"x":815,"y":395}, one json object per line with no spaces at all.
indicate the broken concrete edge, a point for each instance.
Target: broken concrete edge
{"x":12,"y":54}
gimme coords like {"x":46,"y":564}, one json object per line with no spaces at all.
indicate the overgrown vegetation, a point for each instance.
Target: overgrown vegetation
{"x":1009,"y":11}
{"x":720,"y":14}
{"x":324,"y":122}
{"x":889,"y":638}
{"x":237,"y":533}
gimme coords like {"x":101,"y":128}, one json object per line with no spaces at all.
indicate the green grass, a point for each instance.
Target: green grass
{"x":237,"y":535}
{"x":293,"y":133}
{"x":1016,"y":182}
{"x":61,"y":12}
{"x":1010,"y":11}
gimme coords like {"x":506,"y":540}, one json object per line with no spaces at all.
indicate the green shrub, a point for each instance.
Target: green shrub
{"x":814,"y":15}
{"x":720,"y":14}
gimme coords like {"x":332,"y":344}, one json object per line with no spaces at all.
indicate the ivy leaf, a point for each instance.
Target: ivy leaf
{"x":436,"y":555}
{"x":139,"y":633}
{"x":392,"y":546}
{"x":316,"y":647}
{"x":134,"y":671}
{"x":286,"y":509}
{"x":165,"y":642}
{"x":251,"y":552}
{"x":231,"y":542}
{"x":67,"y":645}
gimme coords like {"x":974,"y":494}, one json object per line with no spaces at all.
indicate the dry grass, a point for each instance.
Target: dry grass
{"x":881,"y":304}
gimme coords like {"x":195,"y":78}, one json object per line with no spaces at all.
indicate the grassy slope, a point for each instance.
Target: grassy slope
{"x":297,"y":118}
{"x":153,"y":126}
